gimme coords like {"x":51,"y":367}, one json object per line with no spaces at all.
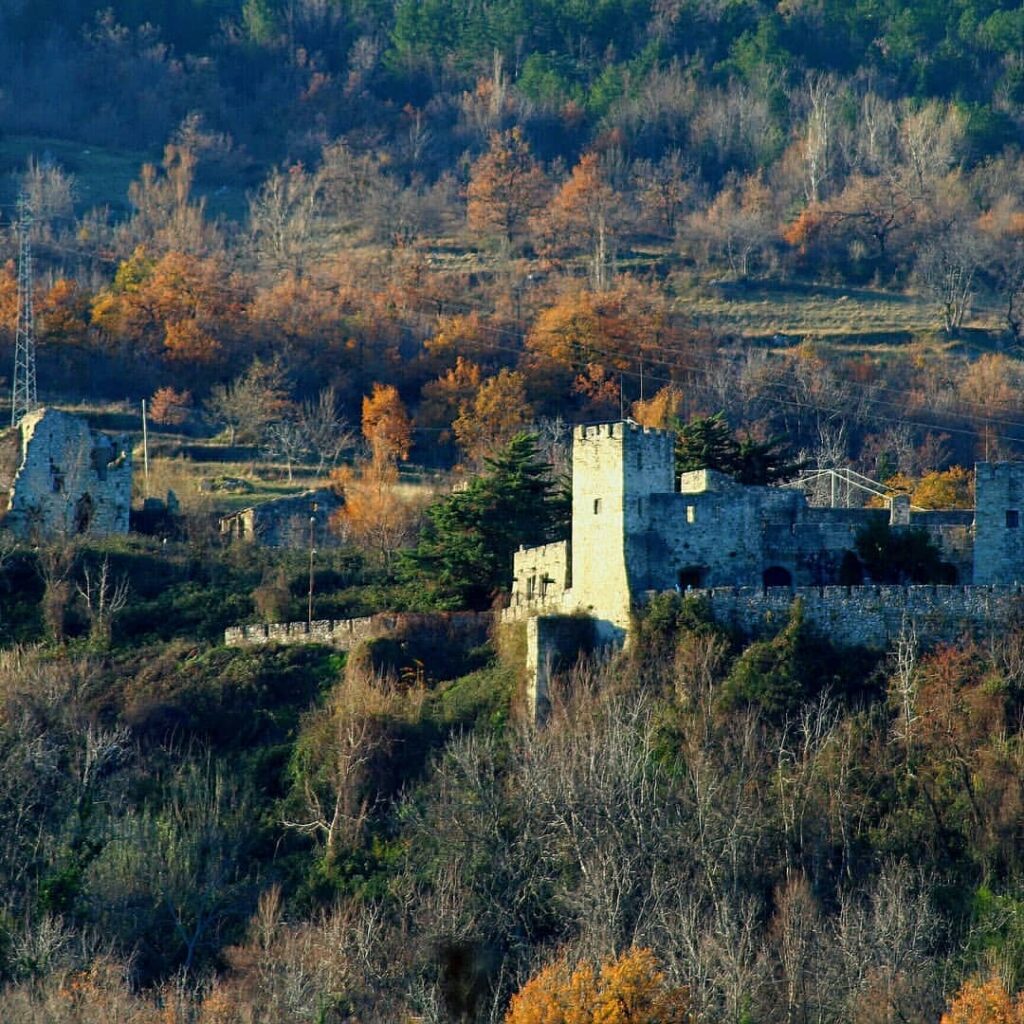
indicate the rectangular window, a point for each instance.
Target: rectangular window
{"x":597,"y":506}
{"x":1012,"y":519}
{"x":691,"y":513}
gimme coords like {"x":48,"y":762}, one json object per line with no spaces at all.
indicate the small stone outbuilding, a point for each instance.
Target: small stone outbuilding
{"x":61,"y":478}
{"x":285,"y":522}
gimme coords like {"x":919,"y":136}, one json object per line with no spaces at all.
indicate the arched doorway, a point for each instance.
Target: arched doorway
{"x":776,"y":576}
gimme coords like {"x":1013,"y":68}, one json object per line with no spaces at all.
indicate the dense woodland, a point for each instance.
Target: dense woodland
{"x":361,"y":236}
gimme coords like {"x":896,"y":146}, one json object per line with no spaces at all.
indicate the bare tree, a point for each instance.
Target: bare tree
{"x":287,"y":442}
{"x":283,"y":218}
{"x":327,"y":434}
{"x":947,"y":268}
{"x":252,"y":401}
{"x":103,"y":597}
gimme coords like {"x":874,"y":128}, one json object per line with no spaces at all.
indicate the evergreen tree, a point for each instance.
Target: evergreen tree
{"x":706,"y":442}
{"x":465,"y":552}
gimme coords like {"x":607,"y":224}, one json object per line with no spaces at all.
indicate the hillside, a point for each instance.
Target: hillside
{"x":398,"y":249}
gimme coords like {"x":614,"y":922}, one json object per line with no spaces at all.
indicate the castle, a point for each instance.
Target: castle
{"x":750,"y":550}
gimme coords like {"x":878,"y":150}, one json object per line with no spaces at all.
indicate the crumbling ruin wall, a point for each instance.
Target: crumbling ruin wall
{"x":285,"y":522}
{"x":71,"y":479}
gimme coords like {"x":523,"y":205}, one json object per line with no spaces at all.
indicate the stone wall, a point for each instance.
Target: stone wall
{"x":347,"y":634}
{"x":870,"y":616}
{"x":285,"y":522}
{"x":553,"y":642}
{"x":70,"y":480}
{"x":541,"y":577}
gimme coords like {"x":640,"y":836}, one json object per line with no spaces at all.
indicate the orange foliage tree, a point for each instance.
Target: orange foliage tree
{"x":583,"y":214}
{"x":506,"y":186}
{"x":496,"y":413}
{"x":629,"y":989}
{"x":8,"y":298}
{"x":376,"y":516}
{"x":62,"y":313}
{"x":661,"y":411}
{"x":586,"y":335}
{"x":170,"y":407}
{"x":985,"y":1002}
{"x":953,"y":488}
{"x":442,"y":399}
{"x":176,"y":305}
{"x":386,"y":424}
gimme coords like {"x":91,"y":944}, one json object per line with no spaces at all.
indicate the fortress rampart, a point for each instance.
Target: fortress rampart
{"x":870,"y":616}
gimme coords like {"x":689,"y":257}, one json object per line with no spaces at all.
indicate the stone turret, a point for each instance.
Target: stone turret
{"x":999,"y":522}
{"x":616,"y":468}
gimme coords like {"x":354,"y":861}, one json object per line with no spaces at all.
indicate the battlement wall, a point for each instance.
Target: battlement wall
{"x":870,"y":616}
{"x":347,"y":634}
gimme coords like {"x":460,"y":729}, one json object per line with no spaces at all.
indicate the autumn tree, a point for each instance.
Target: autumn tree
{"x":738,"y":228}
{"x":169,"y":407}
{"x":984,"y":1002}
{"x":493,"y":415}
{"x":627,"y":989}
{"x":377,"y":516}
{"x":62,"y":313}
{"x":506,"y":186}
{"x":622,"y":330}
{"x":952,"y":488}
{"x":661,"y":411}
{"x":387,"y":427}
{"x":584,"y":214}
{"x":442,"y":399}
{"x":664,"y":189}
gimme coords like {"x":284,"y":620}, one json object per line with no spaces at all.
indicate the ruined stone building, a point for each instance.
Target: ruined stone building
{"x":60,"y":478}
{"x":636,"y":529}
{"x":285,"y":522}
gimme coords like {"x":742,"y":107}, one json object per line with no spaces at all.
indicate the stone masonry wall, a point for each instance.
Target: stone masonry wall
{"x":71,"y":479}
{"x":347,"y":634}
{"x":999,"y":523}
{"x":553,"y":642}
{"x":541,"y":576}
{"x":617,"y":467}
{"x":870,"y":616}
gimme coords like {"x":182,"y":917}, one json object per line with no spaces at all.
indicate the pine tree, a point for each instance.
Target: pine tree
{"x":465,"y":552}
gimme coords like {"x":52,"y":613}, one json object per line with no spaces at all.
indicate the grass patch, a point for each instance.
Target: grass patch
{"x":800,"y":311}
{"x":103,"y":174}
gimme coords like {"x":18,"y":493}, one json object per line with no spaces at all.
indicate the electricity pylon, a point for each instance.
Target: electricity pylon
{"x":23,"y":394}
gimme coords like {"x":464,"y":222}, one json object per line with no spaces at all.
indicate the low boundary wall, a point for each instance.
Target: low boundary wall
{"x":346,"y":634}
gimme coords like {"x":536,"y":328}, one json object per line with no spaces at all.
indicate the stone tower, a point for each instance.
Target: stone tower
{"x":616,"y":467}
{"x":999,"y":523}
